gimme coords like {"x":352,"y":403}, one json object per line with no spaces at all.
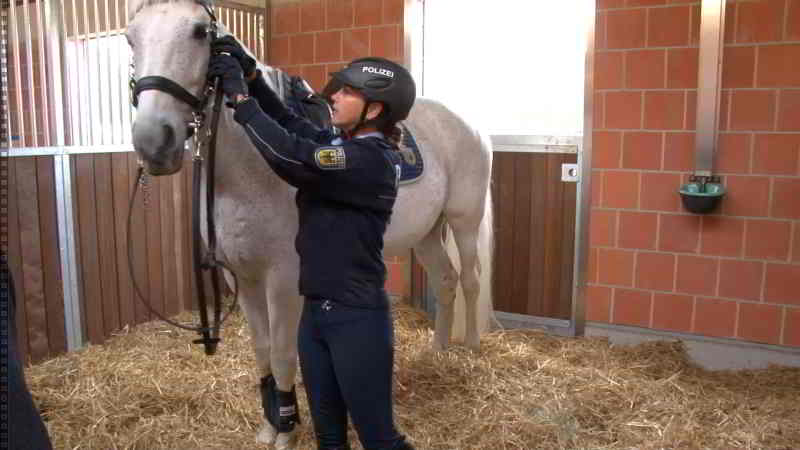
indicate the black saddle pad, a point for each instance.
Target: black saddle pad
{"x":412,"y":165}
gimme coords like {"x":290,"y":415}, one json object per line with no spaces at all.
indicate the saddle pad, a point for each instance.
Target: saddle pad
{"x":412,"y":165}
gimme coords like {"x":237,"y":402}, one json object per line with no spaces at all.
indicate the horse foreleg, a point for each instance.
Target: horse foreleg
{"x":433,"y":256}
{"x":285,"y":306}
{"x":253,"y":301}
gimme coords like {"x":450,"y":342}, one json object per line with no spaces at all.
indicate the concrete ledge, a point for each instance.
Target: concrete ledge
{"x":707,"y":352}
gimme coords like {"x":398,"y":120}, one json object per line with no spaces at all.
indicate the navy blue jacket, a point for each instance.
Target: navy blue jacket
{"x":345,"y":197}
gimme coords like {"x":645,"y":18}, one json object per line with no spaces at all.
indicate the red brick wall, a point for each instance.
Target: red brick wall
{"x":312,"y":38}
{"x":733,"y":274}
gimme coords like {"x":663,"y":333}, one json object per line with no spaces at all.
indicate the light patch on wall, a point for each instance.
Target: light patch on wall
{"x":510,"y":66}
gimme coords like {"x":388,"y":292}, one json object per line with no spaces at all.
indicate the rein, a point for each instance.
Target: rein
{"x":202,"y":262}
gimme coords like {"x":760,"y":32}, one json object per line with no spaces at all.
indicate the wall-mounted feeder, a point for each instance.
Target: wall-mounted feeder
{"x":704,"y":191}
{"x":702,"y":195}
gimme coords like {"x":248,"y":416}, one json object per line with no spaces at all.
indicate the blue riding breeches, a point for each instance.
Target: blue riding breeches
{"x":346,"y":357}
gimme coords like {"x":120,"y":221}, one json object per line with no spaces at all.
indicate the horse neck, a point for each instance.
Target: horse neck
{"x":240,"y":170}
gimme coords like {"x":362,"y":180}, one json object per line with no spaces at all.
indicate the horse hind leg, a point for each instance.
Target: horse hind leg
{"x":434,"y":258}
{"x":465,"y":234}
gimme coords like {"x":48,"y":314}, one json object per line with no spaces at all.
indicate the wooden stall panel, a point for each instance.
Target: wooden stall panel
{"x":33,"y":257}
{"x":534,"y":234}
{"x":103,"y":188}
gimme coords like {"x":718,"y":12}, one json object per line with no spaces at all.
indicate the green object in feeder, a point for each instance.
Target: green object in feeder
{"x":701,"y":198}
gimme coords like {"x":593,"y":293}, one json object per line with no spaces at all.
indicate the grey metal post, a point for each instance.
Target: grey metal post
{"x":709,"y":75}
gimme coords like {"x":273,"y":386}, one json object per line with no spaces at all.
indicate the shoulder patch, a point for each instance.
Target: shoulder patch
{"x":330,"y":158}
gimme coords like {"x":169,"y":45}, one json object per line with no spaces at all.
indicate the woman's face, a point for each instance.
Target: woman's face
{"x":348,"y":104}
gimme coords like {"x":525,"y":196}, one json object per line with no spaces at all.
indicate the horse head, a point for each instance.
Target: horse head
{"x":170,"y":44}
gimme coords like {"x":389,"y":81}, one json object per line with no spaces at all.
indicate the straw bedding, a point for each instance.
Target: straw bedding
{"x":149,"y":388}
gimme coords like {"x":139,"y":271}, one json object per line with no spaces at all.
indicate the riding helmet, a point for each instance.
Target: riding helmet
{"x":379,"y":80}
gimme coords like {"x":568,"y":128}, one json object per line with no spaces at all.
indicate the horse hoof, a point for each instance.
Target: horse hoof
{"x":473,"y":343}
{"x":285,"y":441}
{"x":266,"y":435}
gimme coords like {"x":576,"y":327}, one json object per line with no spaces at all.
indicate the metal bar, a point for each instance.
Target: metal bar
{"x":559,"y":327}
{"x":14,"y":38}
{"x":69,"y":264}
{"x":29,"y":54}
{"x":250,"y":32}
{"x":55,"y":39}
{"x":413,"y":39}
{"x":81,"y":137}
{"x":536,"y":143}
{"x":71,"y":150}
{"x":120,"y":77}
{"x":523,"y":148}
{"x":43,"y":84}
{"x":108,"y":76}
{"x":264,"y":31}
{"x":709,"y":75}
{"x":238,"y":6}
{"x":129,"y":113}
{"x":583,"y":208}
{"x":88,"y":77}
{"x":98,"y":74}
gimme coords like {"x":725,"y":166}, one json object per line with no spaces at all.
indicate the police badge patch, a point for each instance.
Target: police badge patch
{"x":330,"y":158}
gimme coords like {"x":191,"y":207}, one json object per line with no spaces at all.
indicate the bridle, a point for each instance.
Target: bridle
{"x":202,"y":261}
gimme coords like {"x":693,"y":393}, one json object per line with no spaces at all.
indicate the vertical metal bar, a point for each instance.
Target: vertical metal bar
{"x":99,"y":75}
{"x":44,"y":69}
{"x":117,"y":79}
{"x":108,"y":76}
{"x":76,"y":81}
{"x":55,"y":39}
{"x":29,"y":57}
{"x":413,"y":39}
{"x":125,"y":74}
{"x":88,"y":77}
{"x":583,"y":207}
{"x":14,"y":37}
{"x":266,"y":31}
{"x":709,"y":74}
{"x":69,"y":263}
{"x":250,"y":33}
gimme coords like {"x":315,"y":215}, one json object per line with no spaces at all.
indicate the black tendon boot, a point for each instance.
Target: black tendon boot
{"x":280,"y":408}
{"x":403,"y":445}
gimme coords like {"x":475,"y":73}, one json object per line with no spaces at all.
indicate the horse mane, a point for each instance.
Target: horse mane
{"x":136,"y":5}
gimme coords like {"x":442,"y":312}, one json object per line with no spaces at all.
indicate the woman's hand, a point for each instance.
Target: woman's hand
{"x":229,"y":71}
{"x":229,"y":44}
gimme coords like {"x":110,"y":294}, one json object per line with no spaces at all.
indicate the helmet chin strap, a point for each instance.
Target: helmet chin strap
{"x":362,"y":121}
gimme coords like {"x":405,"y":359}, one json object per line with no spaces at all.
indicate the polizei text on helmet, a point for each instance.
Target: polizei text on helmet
{"x":378,"y":71}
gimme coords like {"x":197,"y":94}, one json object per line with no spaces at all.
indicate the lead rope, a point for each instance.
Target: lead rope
{"x":140,"y":177}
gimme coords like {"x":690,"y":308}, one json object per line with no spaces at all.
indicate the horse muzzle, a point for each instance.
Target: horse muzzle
{"x":160,"y":144}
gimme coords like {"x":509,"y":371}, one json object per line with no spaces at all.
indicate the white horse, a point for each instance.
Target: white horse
{"x":255,"y":211}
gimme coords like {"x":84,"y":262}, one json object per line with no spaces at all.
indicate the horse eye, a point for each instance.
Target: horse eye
{"x":200,"y":31}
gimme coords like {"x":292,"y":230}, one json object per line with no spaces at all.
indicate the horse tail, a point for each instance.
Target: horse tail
{"x":486,"y":317}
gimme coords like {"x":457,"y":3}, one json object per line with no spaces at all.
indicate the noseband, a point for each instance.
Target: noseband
{"x":202,"y":262}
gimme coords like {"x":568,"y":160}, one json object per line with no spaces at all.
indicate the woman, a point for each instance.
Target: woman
{"x":347,"y":185}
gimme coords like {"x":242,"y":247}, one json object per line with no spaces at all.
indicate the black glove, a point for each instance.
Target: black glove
{"x":229,"y":44}
{"x":228,"y":70}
